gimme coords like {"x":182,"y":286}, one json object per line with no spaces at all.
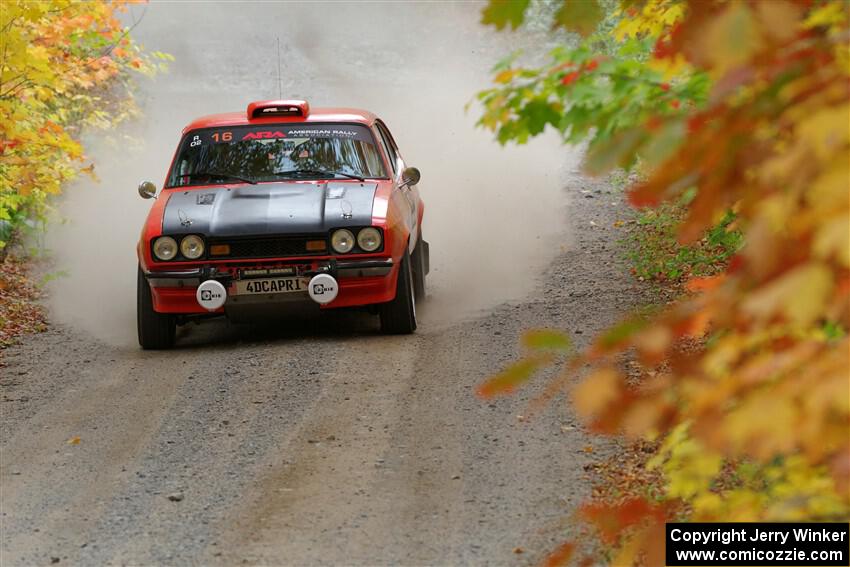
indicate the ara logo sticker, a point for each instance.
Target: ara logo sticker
{"x":211,"y":295}
{"x":264,"y":135}
{"x":323,"y":288}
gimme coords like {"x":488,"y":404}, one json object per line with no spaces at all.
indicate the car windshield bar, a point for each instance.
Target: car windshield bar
{"x":221,"y":175}
{"x":315,"y":173}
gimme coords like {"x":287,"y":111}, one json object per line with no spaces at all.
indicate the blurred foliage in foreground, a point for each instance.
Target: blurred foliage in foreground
{"x":64,"y":65}
{"x":743,"y":106}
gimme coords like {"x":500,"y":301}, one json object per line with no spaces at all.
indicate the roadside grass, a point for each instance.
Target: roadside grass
{"x":655,"y":254}
{"x":659,"y":261}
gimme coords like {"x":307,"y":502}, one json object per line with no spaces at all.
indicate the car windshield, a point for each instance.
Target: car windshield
{"x":273,"y":152}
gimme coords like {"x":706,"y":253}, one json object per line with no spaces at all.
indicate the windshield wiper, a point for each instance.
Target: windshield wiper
{"x":221,"y":175}
{"x":317,"y":173}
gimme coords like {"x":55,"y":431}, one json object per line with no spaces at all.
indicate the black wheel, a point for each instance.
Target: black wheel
{"x":156,"y":330}
{"x":398,"y":317}
{"x":419,"y":266}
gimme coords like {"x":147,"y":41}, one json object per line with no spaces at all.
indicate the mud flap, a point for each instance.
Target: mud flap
{"x":426,"y":256}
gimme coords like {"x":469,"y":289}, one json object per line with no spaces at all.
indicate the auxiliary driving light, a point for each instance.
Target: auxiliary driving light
{"x":323,"y":288}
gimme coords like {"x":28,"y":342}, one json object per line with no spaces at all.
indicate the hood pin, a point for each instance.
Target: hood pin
{"x":346,"y":209}
{"x":184,"y":218}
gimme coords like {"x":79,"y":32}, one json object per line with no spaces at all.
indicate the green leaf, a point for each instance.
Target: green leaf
{"x":622,"y":331}
{"x":537,"y":114}
{"x":507,"y":61}
{"x":619,"y":151}
{"x":579,"y":15}
{"x":514,"y":375}
{"x":665,"y":142}
{"x":546,"y":339}
{"x":503,"y":12}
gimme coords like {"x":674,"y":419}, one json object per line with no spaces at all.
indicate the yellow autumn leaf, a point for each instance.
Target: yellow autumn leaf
{"x":827,"y":14}
{"x":831,"y":189}
{"x":653,"y":341}
{"x":826,"y":131}
{"x":641,"y":420}
{"x":596,"y":391}
{"x":505,"y":76}
{"x":799,"y":295}
{"x":729,"y":39}
{"x":779,"y":19}
{"x":831,"y":239}
{"x":691,"y":472}
{"x":670,"y":67}
{"x":651,"y":20}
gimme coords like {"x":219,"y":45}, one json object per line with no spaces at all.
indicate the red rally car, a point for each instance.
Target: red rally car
{"x":277,"y":206}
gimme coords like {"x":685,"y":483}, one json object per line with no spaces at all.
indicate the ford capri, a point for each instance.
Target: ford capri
{"x":279,"y":206}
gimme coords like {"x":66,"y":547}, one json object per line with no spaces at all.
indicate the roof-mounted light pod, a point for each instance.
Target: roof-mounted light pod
{"x":278,"y":109}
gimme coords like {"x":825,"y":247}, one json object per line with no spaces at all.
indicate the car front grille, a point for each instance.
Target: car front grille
{"x":270,"y":247}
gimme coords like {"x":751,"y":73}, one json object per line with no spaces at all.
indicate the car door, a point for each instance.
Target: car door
{"x":410,"y":195}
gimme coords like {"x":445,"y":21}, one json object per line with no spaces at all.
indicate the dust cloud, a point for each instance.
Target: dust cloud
{"x":494,"y":216}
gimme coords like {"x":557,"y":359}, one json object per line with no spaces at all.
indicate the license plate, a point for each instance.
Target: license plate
{"x":271,"y":285}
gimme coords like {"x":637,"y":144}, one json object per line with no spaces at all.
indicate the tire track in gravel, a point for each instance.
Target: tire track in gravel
{"x":327,"y":483}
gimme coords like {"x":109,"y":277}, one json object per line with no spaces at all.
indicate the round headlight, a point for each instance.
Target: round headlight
{"x":192,"y":247}
{"x":369,"y":239}
{"x":342,"y":241}
{"x":165,"y":248}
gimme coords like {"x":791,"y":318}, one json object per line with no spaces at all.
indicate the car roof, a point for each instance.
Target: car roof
{"x":314,"y":115}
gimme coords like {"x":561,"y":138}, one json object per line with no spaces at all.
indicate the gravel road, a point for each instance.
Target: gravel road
{"x":315,"y":441}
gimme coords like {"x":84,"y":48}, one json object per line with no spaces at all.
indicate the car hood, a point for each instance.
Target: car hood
{"x":268,"y":208}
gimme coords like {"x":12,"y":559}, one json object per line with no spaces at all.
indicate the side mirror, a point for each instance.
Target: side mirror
{"x":147,"y":190}
{"x":410,"y":177}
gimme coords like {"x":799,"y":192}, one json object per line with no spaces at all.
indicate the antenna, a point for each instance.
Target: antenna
{"x":279,"y":80}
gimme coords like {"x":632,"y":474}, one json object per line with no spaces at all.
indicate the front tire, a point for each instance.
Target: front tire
{"x":156,"y":330}
{"x":398,"y":317}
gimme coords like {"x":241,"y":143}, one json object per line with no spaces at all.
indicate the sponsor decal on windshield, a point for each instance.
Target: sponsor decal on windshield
{"x":237,"y":134}
{"x":264,"y":135}
{"x":324,"y":133}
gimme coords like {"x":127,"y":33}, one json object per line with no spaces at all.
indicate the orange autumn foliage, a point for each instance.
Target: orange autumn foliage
{"x":64,"y":66}
{"x":767,"y":389}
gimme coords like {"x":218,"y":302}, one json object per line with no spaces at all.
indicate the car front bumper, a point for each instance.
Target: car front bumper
{"x":361,"y":282}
